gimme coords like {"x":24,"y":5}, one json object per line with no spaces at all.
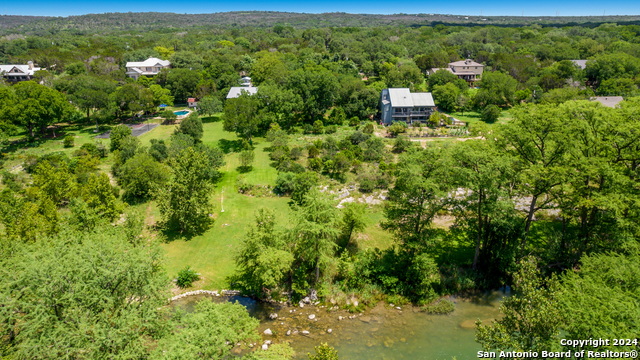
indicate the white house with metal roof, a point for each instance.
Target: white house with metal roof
{"x":400,"y":104}
{"x":16,"y":73}
{"x":149,"y":67}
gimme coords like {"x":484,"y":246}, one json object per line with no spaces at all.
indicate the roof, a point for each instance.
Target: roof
{"x":467,"y":62}
{"x":191,"y":100}
{"x":422,"y":99}
{"x":17,"y":70}
{"x":149,"y":62}
{"x":608,"y":101}
{"x":582,"y":64}
{"x":236,"y":91}
{"x":402,"y":97}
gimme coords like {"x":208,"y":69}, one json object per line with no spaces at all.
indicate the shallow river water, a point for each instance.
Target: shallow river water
{"x":383,"y":332}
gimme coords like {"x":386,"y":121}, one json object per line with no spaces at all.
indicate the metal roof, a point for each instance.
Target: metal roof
{"x":235,"y":91}
{"x":402,"y":97}
{"x":422,"y":99}
{"x":149,"y":62}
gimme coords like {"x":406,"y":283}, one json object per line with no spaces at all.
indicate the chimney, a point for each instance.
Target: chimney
{"x":30,"y":64}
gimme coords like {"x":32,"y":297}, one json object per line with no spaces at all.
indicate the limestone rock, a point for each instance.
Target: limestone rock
{"x":268,"y":332}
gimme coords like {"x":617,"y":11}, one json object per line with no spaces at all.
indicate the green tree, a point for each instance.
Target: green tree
{"x":100,"y":196}
{"x":352,"y":222}
{"x":88,"y":93}
{"x":446,"y":96}
{"x":182,"y":83}
{"x":241,"y":116}
{"x":324,"y":352}
{"x":602,"y":298}
{"x":169,"y":116}
{"x":444,"y":77}
{"x":532,"y":318}
{"x":38,"y":106}
{"x":160,"y":95}
{"x":317,"y":87}
{"x":418,"y":194}
{"x":140,"y":176}
{"x":76,"y":282}
{"x":246,"y":159}
{"x":117,"y":135}
{"x":490,"y":113}
{"x":209,"y":105}
{"x":184,"y":202}
{"x":316,"y":232}
{"x":132,"y":98}
{"x":210,"y":332}
{"x":496,"y":88}
{"x":264,"y":261}
{"x":192,"y":126}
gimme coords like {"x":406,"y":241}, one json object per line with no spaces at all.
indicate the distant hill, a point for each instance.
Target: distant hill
{"x":155,"y":20}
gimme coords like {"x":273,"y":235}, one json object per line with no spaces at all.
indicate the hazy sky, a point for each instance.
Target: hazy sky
{"x":459,"y":7}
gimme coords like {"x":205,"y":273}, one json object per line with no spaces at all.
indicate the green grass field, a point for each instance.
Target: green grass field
{"x":212,"y":253}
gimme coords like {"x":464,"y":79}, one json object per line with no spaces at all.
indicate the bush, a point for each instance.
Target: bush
{"x":318,"y":127}
{"x":440,"y":307}
{"x":490,"y":113}
{"x":186,"y":277}
{"x":68,"y":141}
{"x":117,"y":135}
{"x":397,"y":128}
{"x":401,"y":144}
{"x":331,"y":129}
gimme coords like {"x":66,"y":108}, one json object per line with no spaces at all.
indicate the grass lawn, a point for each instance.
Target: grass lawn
{"x":474,"y":117}
{"x":212,"y":253}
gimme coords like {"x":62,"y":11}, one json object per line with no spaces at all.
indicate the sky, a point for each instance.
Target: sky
{"x":458,"y":7}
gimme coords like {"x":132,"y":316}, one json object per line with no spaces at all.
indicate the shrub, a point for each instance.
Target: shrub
{"x":440,"y":307}
{"x":186,"y":277}
{"x":331,"y":129}
{"x":68,"y":141}
{"x":318,"y":127}
{"x":490,"y":113}
{"x":117,"y":135}
{"x":397,"y":128}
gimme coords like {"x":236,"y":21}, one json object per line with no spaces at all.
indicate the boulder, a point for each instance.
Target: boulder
{"x":268,"y":332}
{"x":265,"y":347}
{"x":312,"y":316}
{"x":273,"y":316}
{"x":329,"y":331}
{"x":305,"y":332}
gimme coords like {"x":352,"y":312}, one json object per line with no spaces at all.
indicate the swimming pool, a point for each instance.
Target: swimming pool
{"x":181,"y":112}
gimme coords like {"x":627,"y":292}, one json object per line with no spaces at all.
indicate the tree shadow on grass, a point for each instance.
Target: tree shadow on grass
{"x":229,"y":146}
{"x":211,"y":119}
{"x":244,"y":169}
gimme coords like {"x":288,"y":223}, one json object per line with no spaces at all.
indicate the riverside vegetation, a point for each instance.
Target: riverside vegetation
{"x":319,"y":201}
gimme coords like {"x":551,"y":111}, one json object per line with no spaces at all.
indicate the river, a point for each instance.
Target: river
{"x":381,"y":333}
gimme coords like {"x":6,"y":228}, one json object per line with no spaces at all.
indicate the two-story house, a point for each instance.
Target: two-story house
{"x":149,"y":67}
{"x":467,"y":70}
{"x":400,"y":104}
{"x":16,"y":73}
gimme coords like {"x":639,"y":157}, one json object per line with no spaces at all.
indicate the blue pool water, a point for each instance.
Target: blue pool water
{"x":181,"y":112}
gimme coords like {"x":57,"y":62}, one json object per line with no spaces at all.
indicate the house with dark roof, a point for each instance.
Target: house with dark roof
{"x":149,"y":67}
{"x":400,"y":104}
{"x":16,"y":73}
{"x":467,"y":70}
